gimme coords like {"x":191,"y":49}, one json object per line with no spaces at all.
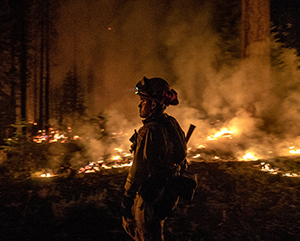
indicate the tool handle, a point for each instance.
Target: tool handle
{"x":190,"y":131}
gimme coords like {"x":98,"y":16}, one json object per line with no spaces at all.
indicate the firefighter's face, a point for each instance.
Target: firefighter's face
{"x":146,"y":107}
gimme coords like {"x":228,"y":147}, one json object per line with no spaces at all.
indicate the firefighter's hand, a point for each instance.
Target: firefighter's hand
{"x":133,"y":139}
{"x":127,"y":204}
{"x":132,"y":147}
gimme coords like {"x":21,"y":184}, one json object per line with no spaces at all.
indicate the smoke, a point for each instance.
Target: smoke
{"x":115,"y":43}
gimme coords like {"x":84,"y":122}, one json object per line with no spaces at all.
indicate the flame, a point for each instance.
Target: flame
{"x":54,"y":136}
{"x":116,"y":157}
{"x":118,"y":149}
{"x":249,"y":157}
{"x":45,"y":175}
{"x":293,"y":150}
{"x":76,"y":137}
{"x":266,"y":167}
{"x":120,"y":160}
{"x":224,"y":132}
{"x":290,"y":175}
{"x":40,"y":137}
{"x":117,"y":165}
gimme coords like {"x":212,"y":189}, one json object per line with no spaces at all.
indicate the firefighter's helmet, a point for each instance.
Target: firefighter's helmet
{"x":157,"y":89}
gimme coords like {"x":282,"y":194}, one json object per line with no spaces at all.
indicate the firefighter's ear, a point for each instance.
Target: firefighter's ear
{"x":153,"y":105}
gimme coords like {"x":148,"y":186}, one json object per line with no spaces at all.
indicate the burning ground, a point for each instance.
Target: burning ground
{"x":242,"y":194}
{"x":234,"y":201}
{"x":244,"y":109}
{"x":114,"y":44}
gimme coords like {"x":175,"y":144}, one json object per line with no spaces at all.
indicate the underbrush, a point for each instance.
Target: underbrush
{"x":234,"y":201}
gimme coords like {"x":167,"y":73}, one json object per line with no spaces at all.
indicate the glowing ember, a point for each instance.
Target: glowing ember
{"x":46,"y":175}
{"x":196,"y":156}
{"x":210,"y":151}
{"x":290,"y":175}
{"x":118,"y":149}
{"x":267,"y":168}
{"x":40,"y":137}
{"x":54,"y":136}
{"x":116,"y":157}
{"x":116,"y":165}
{"x":121,"y":160}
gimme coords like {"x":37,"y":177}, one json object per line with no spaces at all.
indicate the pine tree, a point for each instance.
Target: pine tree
{"x":71,"y":98}
{"x":286,"y":24}
{"x":22,"y":59}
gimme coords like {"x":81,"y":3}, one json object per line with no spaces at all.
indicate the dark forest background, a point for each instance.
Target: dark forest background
{"x":27,"y":52}
{"x":234,"y":200}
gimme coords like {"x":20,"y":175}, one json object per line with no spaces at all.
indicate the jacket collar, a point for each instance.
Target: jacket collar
{"x":155,"y":118}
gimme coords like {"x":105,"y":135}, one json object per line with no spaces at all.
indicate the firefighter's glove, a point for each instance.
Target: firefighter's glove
{"x":127,"y":204}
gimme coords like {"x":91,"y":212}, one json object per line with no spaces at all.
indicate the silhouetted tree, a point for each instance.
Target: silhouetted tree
{"x":71,"y":98}
{"x":285,"y":16}
{"x":13,"y":57}
{"x":26,"y":36}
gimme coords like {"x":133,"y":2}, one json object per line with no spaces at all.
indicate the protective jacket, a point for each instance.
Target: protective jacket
{"x":159,"y":145}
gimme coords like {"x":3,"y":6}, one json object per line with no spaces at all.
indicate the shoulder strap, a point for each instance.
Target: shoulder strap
{"x":176,"y":134}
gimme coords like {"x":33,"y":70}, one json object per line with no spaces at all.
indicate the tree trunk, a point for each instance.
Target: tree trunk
{"x":35,"y":83}
{"x":12,"y":76}
{"x":256,"y":56}
{"x":256,"y":28}
{"x":23,"y":61}
{"x":41,"y":102}
{"x":47,"y":84}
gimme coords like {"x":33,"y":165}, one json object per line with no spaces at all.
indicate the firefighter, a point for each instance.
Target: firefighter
{"x":159,"y":146}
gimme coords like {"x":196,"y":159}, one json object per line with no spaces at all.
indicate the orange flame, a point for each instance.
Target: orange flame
{"x":224,"y":132}
{"x":249,"y":157}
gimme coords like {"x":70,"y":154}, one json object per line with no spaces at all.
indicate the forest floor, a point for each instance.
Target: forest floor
{"x":234,"y":201}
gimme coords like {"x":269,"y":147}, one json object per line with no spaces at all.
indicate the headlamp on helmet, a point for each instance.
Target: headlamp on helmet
{"x":158,"y":90}
{"x":142,"y":87}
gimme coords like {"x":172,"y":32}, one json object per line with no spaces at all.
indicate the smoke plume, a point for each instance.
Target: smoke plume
{"x":115,"y":43}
